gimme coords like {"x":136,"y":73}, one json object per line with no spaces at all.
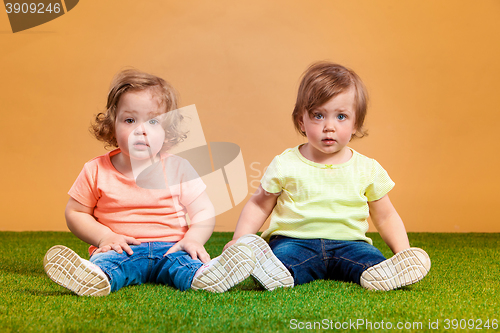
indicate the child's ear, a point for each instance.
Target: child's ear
{"x":355,"y":129}
{"x":301,"y":125}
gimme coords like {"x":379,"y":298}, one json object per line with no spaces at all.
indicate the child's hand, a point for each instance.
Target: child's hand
{"x":195,"y":249}
{"x":117,"y":243}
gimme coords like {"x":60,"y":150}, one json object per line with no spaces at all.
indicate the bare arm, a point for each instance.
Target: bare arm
{"x":81,"y":222}
{"x":254,"y":214}
{"x":389,"y":224}
{"x":202,"y":214}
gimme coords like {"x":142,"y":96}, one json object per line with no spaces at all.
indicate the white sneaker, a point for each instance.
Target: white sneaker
{"x":269,"y":271}
{"x":67,"y":269}
{"x":227,"y":270}
{"x":404,"y":268}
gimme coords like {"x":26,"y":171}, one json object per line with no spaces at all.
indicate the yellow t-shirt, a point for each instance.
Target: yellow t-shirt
{"x":323,"y":201}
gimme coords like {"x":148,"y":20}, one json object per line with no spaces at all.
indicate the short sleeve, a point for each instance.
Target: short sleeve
{"x":380,"y":183}
{"x":191,"y":186}
{"x":84,"y":189}
{"x":272,"y":180}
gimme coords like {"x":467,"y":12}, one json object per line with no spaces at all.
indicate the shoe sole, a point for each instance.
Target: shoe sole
{"x":404,"y":268}
{"x":269,"y":271}
{"x":67,"y":269}
{"x":233,"y":266}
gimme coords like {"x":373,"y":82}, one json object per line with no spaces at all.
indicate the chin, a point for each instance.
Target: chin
{"x":140,"y":157}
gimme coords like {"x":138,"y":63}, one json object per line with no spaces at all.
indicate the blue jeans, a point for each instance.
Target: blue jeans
{"x":147,"y":264}
{"x":324,"y":259}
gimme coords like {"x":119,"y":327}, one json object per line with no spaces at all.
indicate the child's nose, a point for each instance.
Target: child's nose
{"x":329,"y":126}
{"x":140,"y":130}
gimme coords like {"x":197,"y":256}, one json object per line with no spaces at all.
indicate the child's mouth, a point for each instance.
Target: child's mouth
{"x":141,"y":145}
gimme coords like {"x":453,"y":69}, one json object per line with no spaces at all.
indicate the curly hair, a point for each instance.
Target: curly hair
{"x":321,"y":82}
{"x":103,"y":127}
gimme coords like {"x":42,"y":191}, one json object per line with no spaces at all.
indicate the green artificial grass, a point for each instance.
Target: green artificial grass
{"x":462,"y":285}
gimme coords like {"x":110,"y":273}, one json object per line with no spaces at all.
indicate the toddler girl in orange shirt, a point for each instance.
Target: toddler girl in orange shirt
{"x":131,"y":204}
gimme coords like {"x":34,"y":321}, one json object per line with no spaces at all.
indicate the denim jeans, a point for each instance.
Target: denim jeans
{"x":315,"y":259}
{"x":147,"y":264}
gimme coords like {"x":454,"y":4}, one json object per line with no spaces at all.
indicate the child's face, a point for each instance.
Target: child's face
{"x":330,"y":128}
{"x":138,"y":127}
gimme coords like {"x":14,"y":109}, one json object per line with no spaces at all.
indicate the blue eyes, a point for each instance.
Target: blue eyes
{"x":151,"y":121}
{"x":319,"y":116}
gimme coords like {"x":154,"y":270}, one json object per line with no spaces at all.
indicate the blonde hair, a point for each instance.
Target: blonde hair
{"x":321,"y":82}
{"x":103,"y":127}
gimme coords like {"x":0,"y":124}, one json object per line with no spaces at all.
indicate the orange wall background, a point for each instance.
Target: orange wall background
{"x":432,"y":70}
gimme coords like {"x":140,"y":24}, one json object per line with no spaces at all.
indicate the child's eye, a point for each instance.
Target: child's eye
{"x":341,"y":117}
{"x":318,"y":116}
{"x":129,"y":120}
{"x":154,"y":121}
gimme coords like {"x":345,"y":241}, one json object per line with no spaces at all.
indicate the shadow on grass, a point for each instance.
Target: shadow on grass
{"x":42,"y":293}
{"x":22,"y":268}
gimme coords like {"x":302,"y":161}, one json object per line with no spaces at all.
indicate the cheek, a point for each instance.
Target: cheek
{"x":158,"y":136}
{"x":313,"y":128}
{"x":120,"y":133}
{"x":124,"y":134}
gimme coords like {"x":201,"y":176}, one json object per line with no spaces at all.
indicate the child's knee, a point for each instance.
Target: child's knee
{"x":176,"y":269}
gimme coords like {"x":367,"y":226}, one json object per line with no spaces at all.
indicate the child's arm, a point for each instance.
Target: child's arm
{"x":81,"y":222}
{"x":389,"y":224}
{"x":202,"y":214}
{"x":254,"y":214}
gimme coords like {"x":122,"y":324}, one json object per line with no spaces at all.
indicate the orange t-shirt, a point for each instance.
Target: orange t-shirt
{"x":152,"y":212}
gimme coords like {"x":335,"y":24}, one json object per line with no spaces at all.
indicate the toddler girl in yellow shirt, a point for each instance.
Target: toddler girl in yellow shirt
{"x":320,"y":194}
